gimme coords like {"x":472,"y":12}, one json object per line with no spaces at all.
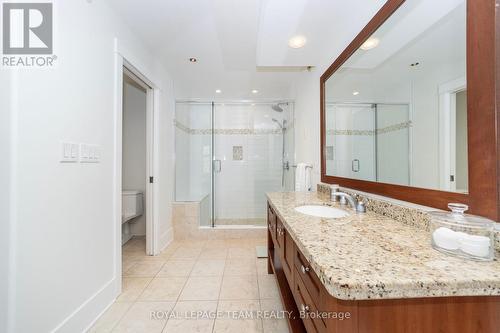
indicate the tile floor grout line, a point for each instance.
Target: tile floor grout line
{"x":197,"y":259}
{"x":122,"y":316}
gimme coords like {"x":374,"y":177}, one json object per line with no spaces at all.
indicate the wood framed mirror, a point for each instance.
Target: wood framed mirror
{"x":409,"y":108}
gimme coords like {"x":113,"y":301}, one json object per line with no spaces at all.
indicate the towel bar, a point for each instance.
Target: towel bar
{"x":307,"y":166}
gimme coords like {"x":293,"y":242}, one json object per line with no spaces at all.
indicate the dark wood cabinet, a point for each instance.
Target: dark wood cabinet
{"x":286,"y":249}
{"x":271,"y":222}
{"x":314,"y":310}
{"x":288,"y":256}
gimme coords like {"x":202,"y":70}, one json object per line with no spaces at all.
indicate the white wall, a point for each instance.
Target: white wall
{"x":6,"y":200}
{"x":64,"y":233}
{"x":134,"y":148}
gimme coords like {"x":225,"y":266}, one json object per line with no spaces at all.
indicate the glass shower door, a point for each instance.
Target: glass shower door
{"x":363,"y":142}
{"x":393,"y":143}
{"x":232,"y":190}
{"x":351,"y":140}
{"x":248,"y":155}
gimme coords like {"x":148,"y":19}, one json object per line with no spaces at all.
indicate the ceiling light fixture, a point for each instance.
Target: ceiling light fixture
{"x":255,"y":91}
{"x":296,"y":42}
{"x":370,"y":43}
{"x":218,"y":91}
{"x":193,"y":60}
{"x":355,"y":93}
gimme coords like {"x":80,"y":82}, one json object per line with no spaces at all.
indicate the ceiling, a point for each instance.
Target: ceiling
{"x":231,"y":38}
{"x":412,"y":21}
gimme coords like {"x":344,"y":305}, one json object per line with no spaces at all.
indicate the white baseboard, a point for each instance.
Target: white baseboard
{"x":165,"y":239}
{"x":126,"y":238}
{"x":82,"y":319}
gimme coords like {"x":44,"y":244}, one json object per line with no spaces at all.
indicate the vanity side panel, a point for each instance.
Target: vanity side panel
{"x":334,"y":305}
{"x":436,"y":314}
{"x":382,"y":316}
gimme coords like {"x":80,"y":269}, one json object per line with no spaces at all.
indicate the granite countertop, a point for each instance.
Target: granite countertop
{"x":370,"y":256}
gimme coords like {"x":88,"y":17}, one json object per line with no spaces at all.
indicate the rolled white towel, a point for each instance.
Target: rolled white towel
{"x":302,"y":178}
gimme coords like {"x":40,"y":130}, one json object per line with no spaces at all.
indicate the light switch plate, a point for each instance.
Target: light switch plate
{"x":90,"y":153}
{"x":69,"y":152}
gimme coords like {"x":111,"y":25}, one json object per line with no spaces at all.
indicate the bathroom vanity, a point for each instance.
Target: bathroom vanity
{"x":408,"y":111}
{"x":370,"y":273}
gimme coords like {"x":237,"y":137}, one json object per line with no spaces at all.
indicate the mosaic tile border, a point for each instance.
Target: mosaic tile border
{"x":384,"y":130}
{"x":406,"y":213}
{"x":229,"y":131}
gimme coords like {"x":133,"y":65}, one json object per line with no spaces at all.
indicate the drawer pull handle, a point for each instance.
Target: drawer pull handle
{"x":305,"y":308}
{"x":304,"y":269}
{"x":280,"y":231}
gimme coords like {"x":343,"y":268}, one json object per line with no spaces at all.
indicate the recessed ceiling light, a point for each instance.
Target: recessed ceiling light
{"x":355,"y":93}
{"x":193,"y":60}
{"x":297,"y":42}
{"x":218,"y":91}
{"x":255,"y":91}
{"x":370,"y":43}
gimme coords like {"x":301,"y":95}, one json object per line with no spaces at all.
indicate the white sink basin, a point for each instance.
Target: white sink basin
{"x":322,"y":211}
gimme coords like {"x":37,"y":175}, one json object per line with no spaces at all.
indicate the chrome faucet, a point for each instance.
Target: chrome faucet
{"x":358,"y":205}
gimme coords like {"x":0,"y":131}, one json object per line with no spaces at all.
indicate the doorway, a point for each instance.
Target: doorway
{"x":137,"y":180}
{"x":453,"y":136}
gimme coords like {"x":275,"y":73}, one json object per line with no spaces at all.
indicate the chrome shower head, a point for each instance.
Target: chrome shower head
{"x":277,"y":108}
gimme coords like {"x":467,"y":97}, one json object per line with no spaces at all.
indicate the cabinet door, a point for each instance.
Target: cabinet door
{"x":288,"y":256}
{"x":280,"y":236}
{"x":271,"y":222}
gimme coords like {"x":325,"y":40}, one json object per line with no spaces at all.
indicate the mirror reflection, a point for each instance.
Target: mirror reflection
{"x":396,"y":110}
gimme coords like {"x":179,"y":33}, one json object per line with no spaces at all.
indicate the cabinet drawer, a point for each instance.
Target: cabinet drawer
{"x":307,"y":308}
{"x":308,"y":277}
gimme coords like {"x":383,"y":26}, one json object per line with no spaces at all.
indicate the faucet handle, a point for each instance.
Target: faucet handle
{"x":361,"y":207}
{"x":333,"y":189}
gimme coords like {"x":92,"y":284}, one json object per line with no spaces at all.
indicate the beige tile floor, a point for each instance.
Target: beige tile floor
{"x":213,"y":276}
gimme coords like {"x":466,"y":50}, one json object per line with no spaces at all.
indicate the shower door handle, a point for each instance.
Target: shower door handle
{"x":217,"y":166}
{"x":355,"y":165}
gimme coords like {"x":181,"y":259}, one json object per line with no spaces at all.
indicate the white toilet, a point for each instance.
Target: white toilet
{"x":132,"y":205}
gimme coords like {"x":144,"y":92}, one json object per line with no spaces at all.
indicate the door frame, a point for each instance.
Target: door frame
{"x":125,"y":59}
{"x":447,"y":128}
{"x":140,"y":79}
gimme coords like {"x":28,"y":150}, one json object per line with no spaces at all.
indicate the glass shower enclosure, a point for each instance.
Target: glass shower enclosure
{"x":369,"y":141}
{"x":228,"y":155}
